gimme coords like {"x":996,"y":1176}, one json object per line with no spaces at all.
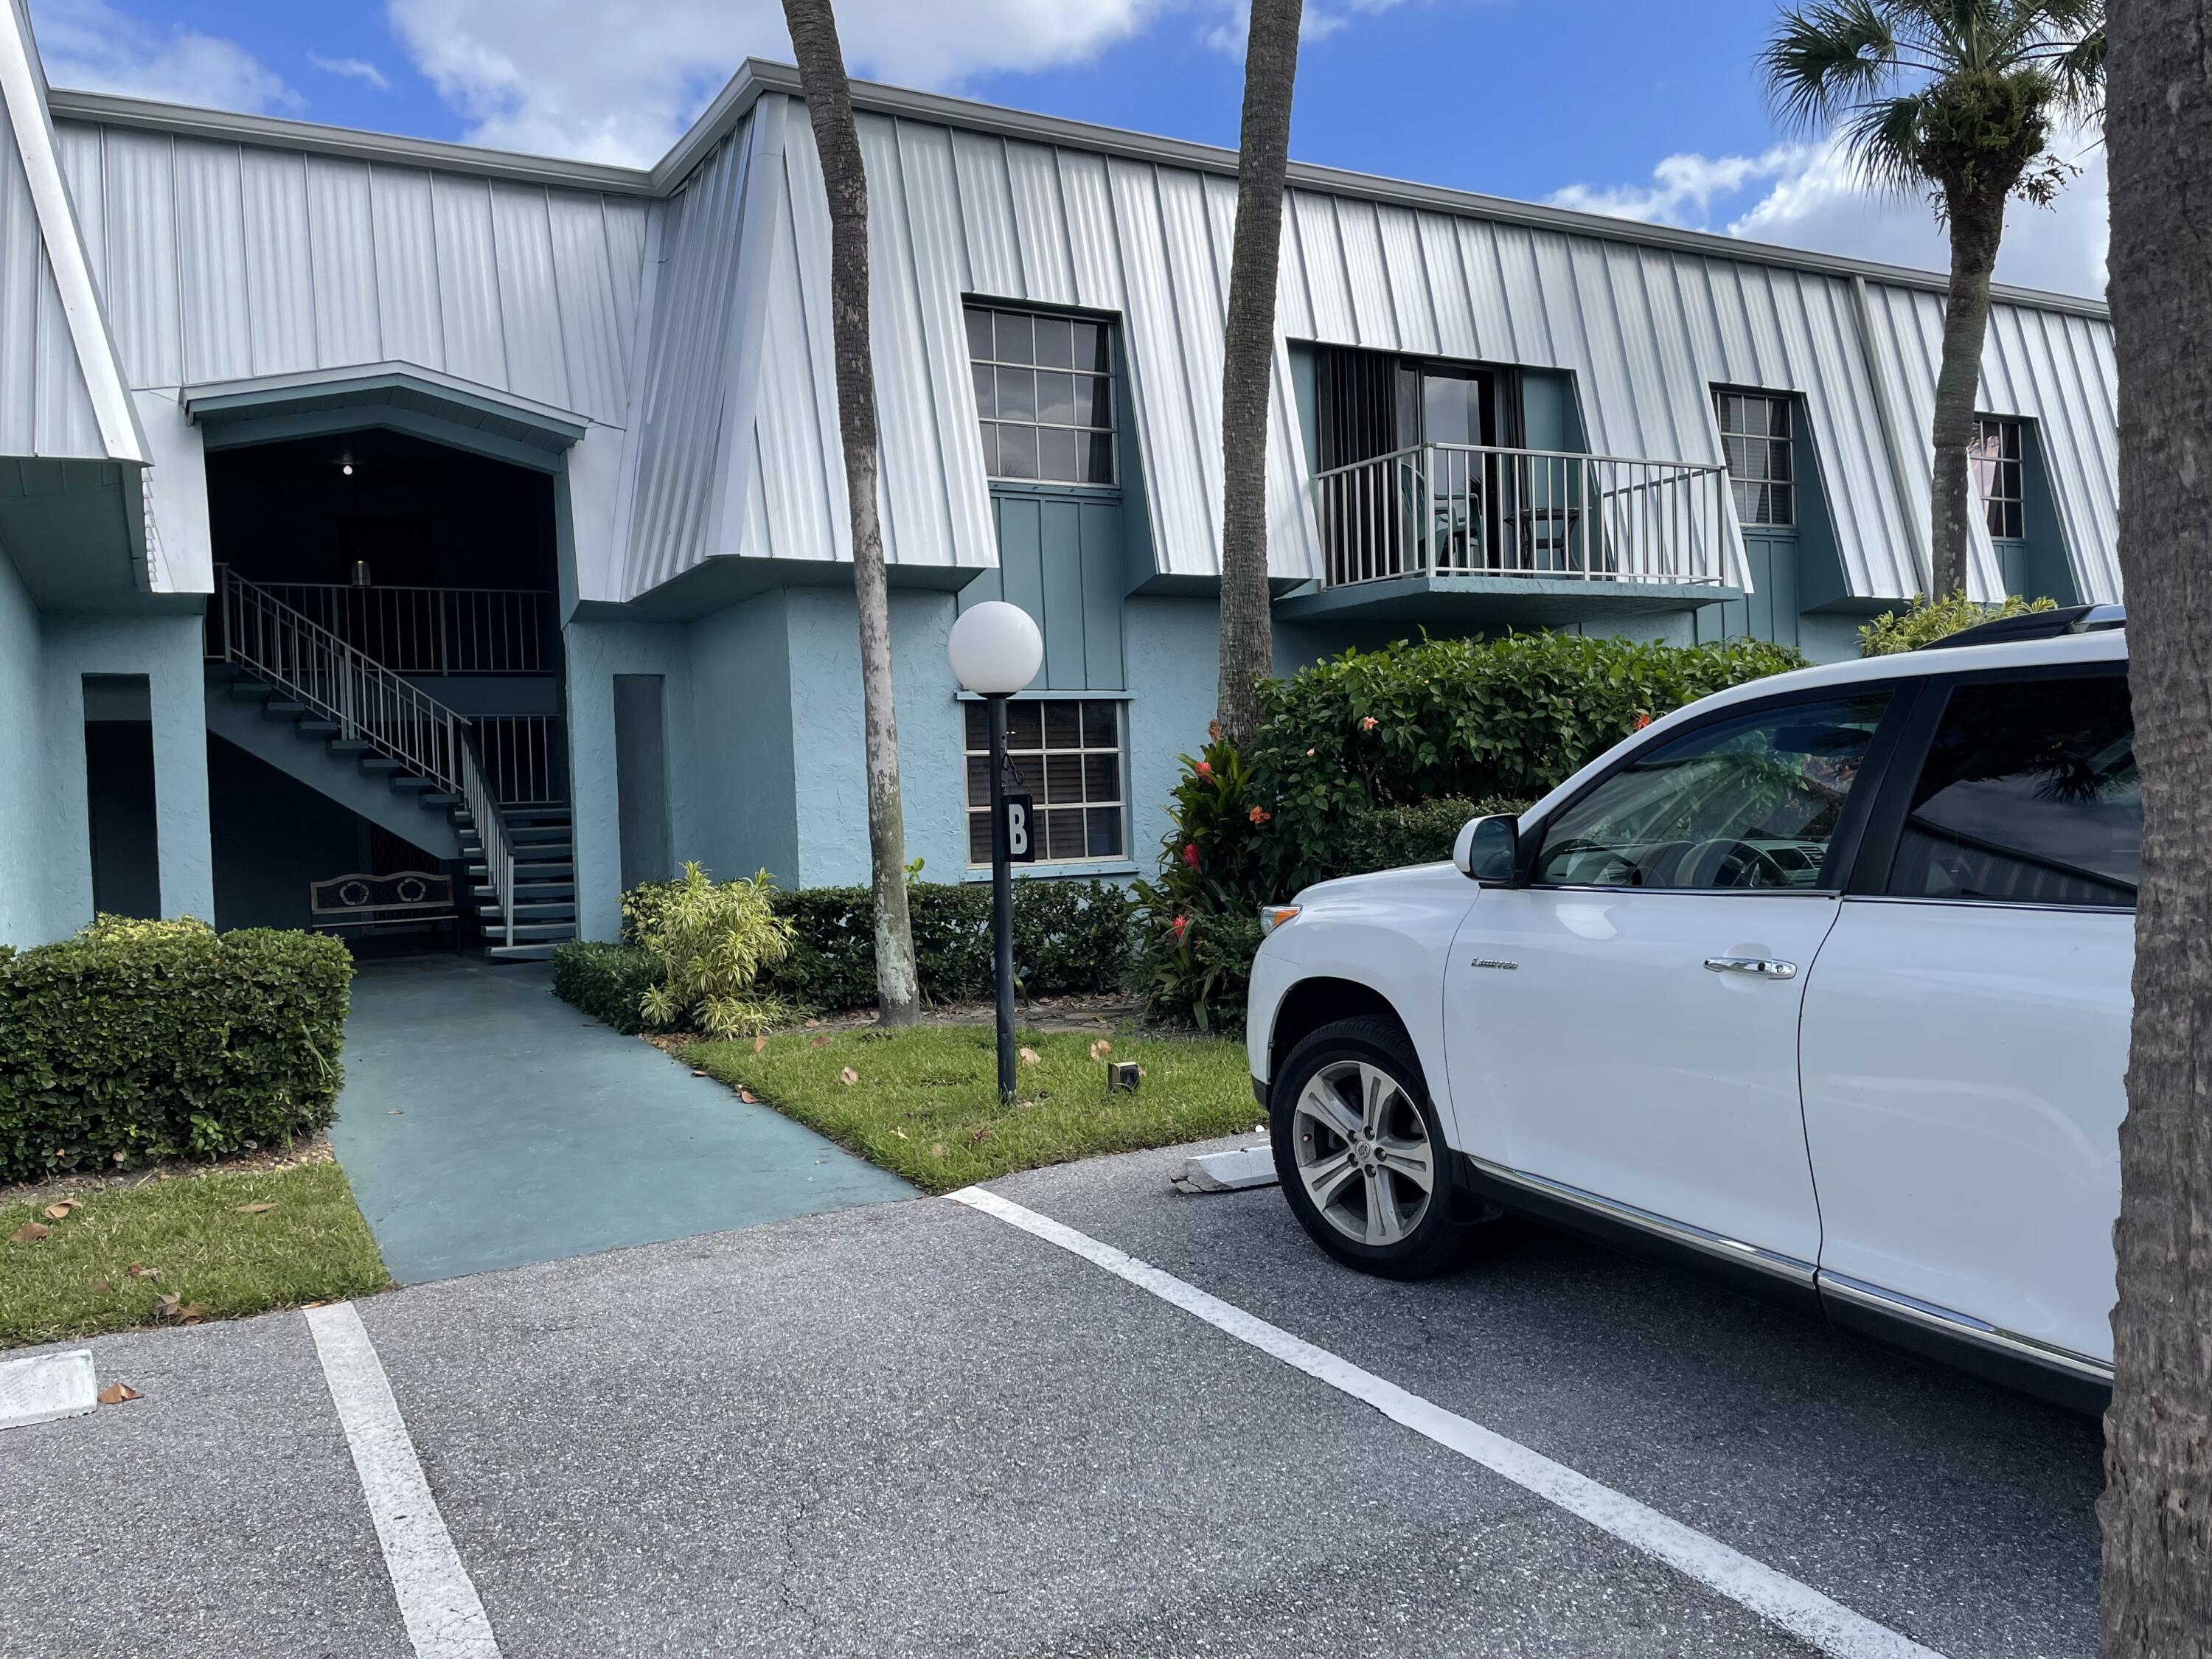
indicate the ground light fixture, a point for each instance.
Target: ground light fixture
{"x":995,"y":650}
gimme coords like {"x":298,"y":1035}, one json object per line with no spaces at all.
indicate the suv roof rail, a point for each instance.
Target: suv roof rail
{"x":2036,"y":625}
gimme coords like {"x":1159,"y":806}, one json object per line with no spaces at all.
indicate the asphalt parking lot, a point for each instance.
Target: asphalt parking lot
{"x":914,"y":1428}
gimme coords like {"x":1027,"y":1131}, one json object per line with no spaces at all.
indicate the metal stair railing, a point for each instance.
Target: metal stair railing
{"x":491,"y":831}
{"x":369,"y":704}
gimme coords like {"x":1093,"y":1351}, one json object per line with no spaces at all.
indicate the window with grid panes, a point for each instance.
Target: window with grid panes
{"x":1066,"y":757}
{"x":1755,"y":443}
{"x":1995,"y":458}
{"x":1044,"y":394}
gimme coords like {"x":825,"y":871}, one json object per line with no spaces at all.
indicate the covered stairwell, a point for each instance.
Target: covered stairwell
{"x":293,"y":692}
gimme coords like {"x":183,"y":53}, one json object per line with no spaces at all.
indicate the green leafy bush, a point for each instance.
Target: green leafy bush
{"x":1926,"y":620}
{"x":1471,"y":719}
{"x":711,"y":942}
{"x":1420,"y":832}
{"x":606,"y":981}
{"x":141,"y":1039}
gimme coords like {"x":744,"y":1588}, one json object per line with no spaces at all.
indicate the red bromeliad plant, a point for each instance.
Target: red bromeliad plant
{"x":1198,"y":923}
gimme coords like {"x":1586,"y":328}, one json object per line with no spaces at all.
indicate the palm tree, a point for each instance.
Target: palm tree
{"x":814,"y":42}
{"x":1247,"y":358}
{"x":2157,"y":1507}
{"x":1957,"y":98}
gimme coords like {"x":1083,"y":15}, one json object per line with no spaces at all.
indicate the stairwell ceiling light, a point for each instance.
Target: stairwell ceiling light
{"x":346,"y":467}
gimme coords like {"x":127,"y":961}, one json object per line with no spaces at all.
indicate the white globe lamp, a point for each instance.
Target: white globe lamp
{"x":995,"y":649}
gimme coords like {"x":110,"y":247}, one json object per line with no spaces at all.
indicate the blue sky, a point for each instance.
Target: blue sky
{"x":1652,"y":109}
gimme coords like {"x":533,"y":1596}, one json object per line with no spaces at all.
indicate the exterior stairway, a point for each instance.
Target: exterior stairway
{"x":377,"y":729}
{"x":545,"y":894}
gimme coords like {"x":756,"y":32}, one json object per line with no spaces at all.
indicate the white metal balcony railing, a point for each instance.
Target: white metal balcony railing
{"x":429,"y":631}
{"x":1469,"y":510}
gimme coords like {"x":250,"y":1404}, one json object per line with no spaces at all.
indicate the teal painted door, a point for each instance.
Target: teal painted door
{"x":1768,"y":611}
{"x":1060,"y":559}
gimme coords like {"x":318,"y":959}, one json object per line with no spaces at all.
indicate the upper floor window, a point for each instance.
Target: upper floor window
{"x":1755,"y":433}
{"x":1995,"y":458}
{"x":1044,"y":392}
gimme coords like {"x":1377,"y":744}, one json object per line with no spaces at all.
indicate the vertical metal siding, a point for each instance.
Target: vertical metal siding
{"x":342,"y":255}
{"x":529,"y":299}
{"x":143,"y":302}
{"x":468,"y":279}
{"x":595,"y":324}
{"x":280,"y":263}
{"x":410,"y":321}
{"x":211,"y":262}
{"x":22,"y":258}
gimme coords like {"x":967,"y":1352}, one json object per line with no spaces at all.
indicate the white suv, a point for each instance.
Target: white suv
{"x":1824,"y":979}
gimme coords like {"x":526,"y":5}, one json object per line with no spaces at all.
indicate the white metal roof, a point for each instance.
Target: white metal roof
{"x":687,"y":305}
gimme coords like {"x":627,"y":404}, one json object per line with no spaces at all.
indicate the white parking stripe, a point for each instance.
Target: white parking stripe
{"x":1797,"y":1607}
{"x":437,"y":1600}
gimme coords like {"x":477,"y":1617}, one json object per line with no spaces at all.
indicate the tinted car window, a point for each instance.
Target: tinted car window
{"x":2028,"y":793}
{"x":1750,"y":802}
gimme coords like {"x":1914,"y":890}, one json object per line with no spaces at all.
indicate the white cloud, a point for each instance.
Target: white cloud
{"x":89,"y":43}
{"x":353,"y":69}
{"x":1808,"y":196}
{"x":561,"y":77}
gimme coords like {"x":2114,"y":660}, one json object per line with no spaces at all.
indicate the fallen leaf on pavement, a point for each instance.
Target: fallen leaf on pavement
{"x":165,"y":1305}
{"x":848,"y":1077}
{"x":759,"y":1043}
{"x":820,"y":1042}
{"x":100,"y":1287}
{"x":140,"y":1270}
{"x":29,"y":1233}
{"x":749,"y":1096}
{"x":1101,"y":1048}
{"x":1030,"y":1057}
{"x":395,"y":1113}
{"x":190,"y":1314}
{"x":696,"y":1072}
{"x":115,"y":1393}
{"x":58,"y":1211}
{"x":254,"y":1209}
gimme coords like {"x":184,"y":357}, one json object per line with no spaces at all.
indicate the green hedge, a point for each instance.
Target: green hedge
{"x":1925,"y":621}
{"x":606,"y":981}
{"x":1468,"y":719}
{"x":142,"y":1040}
{"x":1070,"y":939}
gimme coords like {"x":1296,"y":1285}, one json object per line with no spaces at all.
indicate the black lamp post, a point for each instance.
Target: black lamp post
{"x":995,"y":650}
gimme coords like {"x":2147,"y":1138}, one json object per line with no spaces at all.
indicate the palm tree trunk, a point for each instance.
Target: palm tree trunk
{"x":1977,"y":228}
{"x":830,"y":108}
{"x":2157,"y":1506}
{"x":1248,"y":359}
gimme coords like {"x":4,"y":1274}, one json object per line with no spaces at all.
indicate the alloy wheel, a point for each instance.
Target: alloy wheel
{"x":1363,"y":1152}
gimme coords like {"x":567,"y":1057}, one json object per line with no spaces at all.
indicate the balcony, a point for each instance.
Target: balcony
{"x":1526,"y":536}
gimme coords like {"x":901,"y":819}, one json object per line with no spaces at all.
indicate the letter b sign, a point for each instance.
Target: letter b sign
{"x":1021,"y":841}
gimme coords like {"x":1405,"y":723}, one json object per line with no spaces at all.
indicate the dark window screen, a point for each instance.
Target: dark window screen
{"x":2029,"y":793}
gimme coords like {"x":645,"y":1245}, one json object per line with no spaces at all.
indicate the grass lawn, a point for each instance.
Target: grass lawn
{"x":310,"y":1245}
{"x":923,"y":1101}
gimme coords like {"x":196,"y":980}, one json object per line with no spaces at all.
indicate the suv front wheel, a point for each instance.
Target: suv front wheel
{"x":1360,"y":1154}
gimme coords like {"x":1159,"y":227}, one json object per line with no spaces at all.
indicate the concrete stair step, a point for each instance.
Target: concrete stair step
{"x":526,"y":895}
{"x":281,"y":708}
{"x":560,"y":911}
{"x":529,"y":871}
{"x":531,"y":931}
{"x":543,"y":952}
{"x":405,"y":782}
{"x":313,"y":726}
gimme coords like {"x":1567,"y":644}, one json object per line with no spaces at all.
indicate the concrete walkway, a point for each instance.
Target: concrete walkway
{"x":485,"y":1124}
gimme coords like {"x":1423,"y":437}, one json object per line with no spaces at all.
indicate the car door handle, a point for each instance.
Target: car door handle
{"x":1764,"y":967}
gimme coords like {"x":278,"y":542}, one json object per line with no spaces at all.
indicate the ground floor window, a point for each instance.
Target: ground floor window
{"x":1066,"y":755}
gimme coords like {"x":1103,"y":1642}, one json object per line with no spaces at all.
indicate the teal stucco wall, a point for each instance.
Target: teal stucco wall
{"x":24,"y":885}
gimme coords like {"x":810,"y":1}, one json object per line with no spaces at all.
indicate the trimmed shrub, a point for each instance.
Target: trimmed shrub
{"x":1925,"y":621}
{"x":1420,"y":832}
{"x":141,"y":1039}
{"x":607,"y":981}
{"x":1070,"y":939}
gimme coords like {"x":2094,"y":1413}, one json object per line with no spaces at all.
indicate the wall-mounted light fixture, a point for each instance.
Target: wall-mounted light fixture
{"x":346,"y":467}
{"x":361,"y":573}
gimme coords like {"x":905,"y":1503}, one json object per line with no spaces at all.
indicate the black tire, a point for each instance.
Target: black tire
{"x":1431,"y":1241}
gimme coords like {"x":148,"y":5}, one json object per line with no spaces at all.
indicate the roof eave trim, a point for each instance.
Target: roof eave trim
{"x":263,"y":394}
{"x":351,"y":143}
{"x":23,"y":87}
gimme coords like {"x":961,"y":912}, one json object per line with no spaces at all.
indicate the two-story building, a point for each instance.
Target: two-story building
{"x":370,"y":504}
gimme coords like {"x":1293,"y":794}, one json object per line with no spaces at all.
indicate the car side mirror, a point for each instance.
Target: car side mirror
{"x":1488,"y":848}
